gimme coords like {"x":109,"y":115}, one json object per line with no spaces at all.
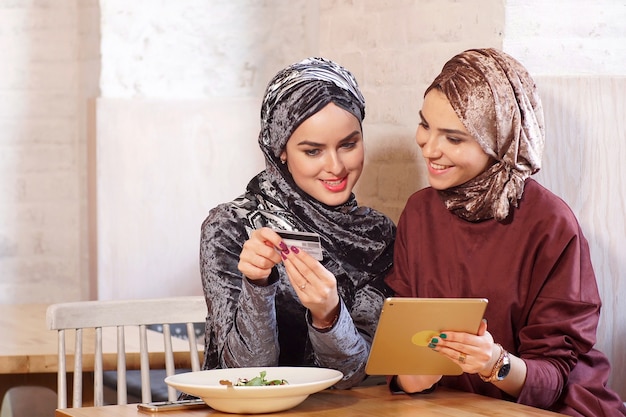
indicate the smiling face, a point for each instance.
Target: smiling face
{"x":325,"y":155}
{"x":452,"y":155}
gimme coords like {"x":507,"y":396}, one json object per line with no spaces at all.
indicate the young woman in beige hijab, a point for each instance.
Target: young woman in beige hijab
{"x":486,"y":229}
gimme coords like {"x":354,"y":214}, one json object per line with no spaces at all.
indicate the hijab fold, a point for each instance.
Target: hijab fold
{"x":497,"y":101}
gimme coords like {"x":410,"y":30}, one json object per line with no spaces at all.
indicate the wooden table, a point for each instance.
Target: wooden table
{"x":28,"y":350}
{"x":373,"y":401}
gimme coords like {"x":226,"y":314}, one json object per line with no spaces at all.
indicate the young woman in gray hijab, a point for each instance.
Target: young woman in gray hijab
{"x":270,"y":304}
{"x":486,"y":229}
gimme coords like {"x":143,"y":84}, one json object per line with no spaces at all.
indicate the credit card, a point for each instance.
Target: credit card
{"x":306,"y":241}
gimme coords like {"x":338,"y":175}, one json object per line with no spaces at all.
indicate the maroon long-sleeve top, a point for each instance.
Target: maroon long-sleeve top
{"x":536,"y":271}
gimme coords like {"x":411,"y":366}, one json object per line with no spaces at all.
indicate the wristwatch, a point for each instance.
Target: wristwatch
{"x":504,"y":368}
{"x":501,"y":369}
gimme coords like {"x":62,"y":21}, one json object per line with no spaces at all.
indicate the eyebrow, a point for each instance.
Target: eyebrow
{"x":447,"y":131}
{"x":312,"y":143}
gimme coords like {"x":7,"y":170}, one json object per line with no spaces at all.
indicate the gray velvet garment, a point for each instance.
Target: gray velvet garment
{"x":249,"y":325}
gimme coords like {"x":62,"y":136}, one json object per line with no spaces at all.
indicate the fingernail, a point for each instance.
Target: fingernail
{"x":295,"y":249}
{"x":430,"y":345}
{"x":443,"y":335}
{"x":434,"y":340}
{"x":283,"y":255}
{"x":284,"y":247}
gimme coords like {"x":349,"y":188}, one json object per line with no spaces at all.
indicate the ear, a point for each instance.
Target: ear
{"x":283,"y":157}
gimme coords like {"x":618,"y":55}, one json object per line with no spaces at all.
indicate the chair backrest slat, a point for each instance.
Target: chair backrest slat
{"x":61,"y":376}
{"x":77,"y":392}
{"x":169,"y":359}
{"x":118,"y":314}
{"x":193,"y":347}
{"x":98,"y":392}
{"x":146,"y":389}
{"x":122,"y":397}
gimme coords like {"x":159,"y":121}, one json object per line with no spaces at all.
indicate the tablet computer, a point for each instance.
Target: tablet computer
{"x":406,"y":325}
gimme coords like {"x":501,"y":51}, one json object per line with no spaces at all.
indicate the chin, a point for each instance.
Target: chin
{"x":440,"y":185}
{"x":436,"y":186}
{"x":335,"y":200}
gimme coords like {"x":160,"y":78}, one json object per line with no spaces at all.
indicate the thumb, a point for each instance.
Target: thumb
{"x":482,"y":328}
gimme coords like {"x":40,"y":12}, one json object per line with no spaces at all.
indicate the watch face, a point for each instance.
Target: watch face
{"x":505,"y":368}
{"x":504,"y":371}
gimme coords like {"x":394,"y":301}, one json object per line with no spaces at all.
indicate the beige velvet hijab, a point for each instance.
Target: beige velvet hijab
{"x":496,"y":99}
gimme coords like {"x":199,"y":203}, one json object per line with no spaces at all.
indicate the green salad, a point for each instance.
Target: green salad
{"x":259,"y":381}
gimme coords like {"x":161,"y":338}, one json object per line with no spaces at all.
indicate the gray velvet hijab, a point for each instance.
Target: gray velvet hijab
{"x":496,"y":99}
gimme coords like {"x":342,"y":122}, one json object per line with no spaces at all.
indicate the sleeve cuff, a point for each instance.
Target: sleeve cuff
{"x":394,"y":388}
{"x":272,"y":280}
{"x":337,"y":319}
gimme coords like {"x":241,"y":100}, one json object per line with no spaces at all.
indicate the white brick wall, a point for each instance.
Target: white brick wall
{"x":572,"y":37}
{"x":39,"y":213}
{"x":200,"y":48}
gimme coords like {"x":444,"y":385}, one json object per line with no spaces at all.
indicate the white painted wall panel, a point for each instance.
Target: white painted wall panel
{"x":584,"y":165}
{"x":161,"y":165}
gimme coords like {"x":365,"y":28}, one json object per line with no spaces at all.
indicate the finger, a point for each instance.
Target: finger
{"x":316,"y":292}
{"x":268,"y":236}
{"x":311,"y":268}
{"x":482,"y":328}
{"x":449,"y":352}
{"x":464,"y":359}
{"x":452,"y":348}
{"x":259,"y":253}
{"x":258,"y":256}
{"x":471,"y":358}
{"x":306,"y":273}
{"x":255,"y":266}
{"x":253,"y":272}
{"x":297,"y":280}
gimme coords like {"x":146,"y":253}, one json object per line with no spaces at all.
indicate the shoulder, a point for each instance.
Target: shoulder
{"x":219,"y":214}
{"x":229,"y":219}
{"x":375,"y":217}
{"x":543,"y":204}
{"x":422,"y":197}
{"x":424,"y":202}
{"x":423,"y":209}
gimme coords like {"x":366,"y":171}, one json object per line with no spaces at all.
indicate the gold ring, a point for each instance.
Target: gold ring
{"x":462,"y":357}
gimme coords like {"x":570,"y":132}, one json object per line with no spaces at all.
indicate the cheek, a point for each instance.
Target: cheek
{"x":302,"y":167}
{"x":357,"y":159}
{"x":356,"y":168}
{"x":482,"y":161}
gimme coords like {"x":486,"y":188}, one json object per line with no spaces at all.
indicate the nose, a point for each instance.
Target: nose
{"x":334,"y":163}
{"x":427,"y":142}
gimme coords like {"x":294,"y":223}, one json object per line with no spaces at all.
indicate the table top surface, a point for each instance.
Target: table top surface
{"x":28,"y":346}
{"x":372,"y":401}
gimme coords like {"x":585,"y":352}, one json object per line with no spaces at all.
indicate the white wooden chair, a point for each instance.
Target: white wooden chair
{"x":138,"y":313}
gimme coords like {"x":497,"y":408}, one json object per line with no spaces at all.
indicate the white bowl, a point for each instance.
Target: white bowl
{"x":302,"y":382}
